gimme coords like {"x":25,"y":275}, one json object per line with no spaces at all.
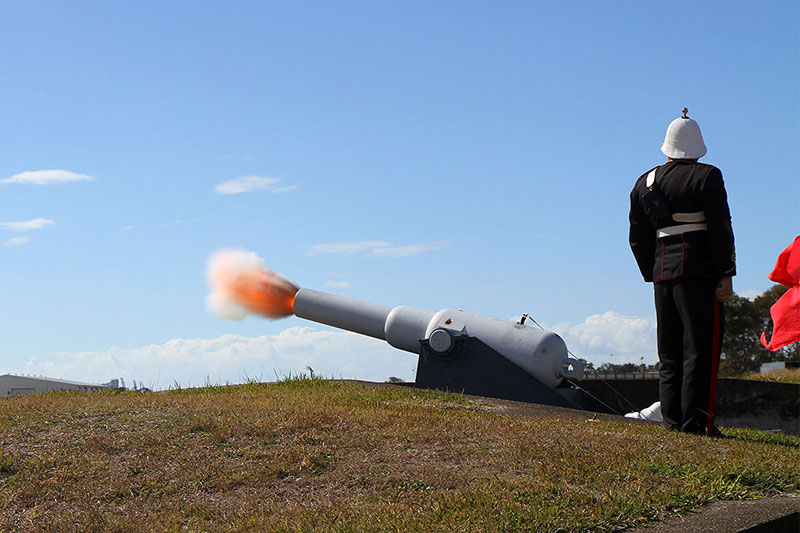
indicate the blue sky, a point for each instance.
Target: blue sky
{"x":476,"y":155}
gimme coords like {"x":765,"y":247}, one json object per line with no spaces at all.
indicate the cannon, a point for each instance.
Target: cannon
{"x":464,"y":352}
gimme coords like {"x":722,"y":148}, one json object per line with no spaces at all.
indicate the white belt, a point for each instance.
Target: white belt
{"x":678,"y":230}
{"x":697,"y":216}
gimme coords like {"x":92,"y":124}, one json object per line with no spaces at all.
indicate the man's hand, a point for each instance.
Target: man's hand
{"x":724,"y":289}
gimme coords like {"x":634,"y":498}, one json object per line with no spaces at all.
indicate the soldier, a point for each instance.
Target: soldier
{"x":681,"y":237}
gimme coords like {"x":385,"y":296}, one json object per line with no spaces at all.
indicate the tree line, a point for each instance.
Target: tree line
{"x":745,"y":319}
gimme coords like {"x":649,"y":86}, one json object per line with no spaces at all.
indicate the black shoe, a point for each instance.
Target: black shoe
{"x":717,"y":434}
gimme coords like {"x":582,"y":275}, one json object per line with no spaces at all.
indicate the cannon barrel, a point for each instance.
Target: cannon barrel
{"x":543,"y":354}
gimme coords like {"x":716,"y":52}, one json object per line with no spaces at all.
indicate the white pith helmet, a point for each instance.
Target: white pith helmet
{"x":683,"y":139}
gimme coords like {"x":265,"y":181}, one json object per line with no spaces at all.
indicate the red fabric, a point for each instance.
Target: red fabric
{"x":712,"y":394}
{"x":786,"y":311}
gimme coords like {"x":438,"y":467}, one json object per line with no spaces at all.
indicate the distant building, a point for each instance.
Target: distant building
{"x":12,"y":385}
{"x":780,"y":365}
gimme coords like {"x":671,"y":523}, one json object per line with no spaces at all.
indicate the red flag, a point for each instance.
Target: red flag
{"x":785,"y":312}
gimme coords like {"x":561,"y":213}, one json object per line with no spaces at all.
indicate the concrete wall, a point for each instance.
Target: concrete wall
{"x":740,"y":402}
{"x":759,"y":404}
{"x":11,"y":385}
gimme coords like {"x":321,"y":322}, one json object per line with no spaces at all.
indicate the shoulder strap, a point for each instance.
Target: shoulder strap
{"x":651,"y":178}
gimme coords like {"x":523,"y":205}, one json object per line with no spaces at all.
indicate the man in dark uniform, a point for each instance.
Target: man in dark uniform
{"x":681,"y":237}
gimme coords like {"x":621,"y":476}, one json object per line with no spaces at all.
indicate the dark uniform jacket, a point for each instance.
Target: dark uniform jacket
{"x":688,"y":187}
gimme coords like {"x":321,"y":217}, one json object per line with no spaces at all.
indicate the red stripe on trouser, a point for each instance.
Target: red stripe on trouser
{"x":712,"y":392}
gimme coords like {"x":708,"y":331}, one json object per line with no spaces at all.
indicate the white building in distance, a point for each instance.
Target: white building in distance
{"x":12,"y":385}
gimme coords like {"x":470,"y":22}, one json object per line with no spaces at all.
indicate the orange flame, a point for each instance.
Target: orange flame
{"x":240,"y":285}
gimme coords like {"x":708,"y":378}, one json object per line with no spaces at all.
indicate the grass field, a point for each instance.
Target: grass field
{"x":786,"y":375}
{"x":322,"y":455}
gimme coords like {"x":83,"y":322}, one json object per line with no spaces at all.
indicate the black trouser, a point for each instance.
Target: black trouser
{"x":690,"y":326}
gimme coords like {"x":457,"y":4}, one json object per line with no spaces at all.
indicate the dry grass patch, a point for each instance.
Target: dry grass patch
{"x":306,"y":455}
{"x":785,"y":375}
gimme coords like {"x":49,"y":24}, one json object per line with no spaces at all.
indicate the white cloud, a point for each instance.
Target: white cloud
{"x":334,"y":284}
{"x":233,"y":358}
{"x":252,"y":183}
{"x":27,"y":225}
{"x":612,"y":337}
{"x":331,"y":353}
{"x":17,"y":241}
{"x":373,"y":249}
{"x":47,"y":177}
{"x":750,"y":294}
{"x":346,"y":248}
{"x":177,"y":222}
{"x":405,"y":251}
{"x":127,"y":228}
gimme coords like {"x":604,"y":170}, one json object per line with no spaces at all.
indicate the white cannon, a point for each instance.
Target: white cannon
{"x":461,"y":351}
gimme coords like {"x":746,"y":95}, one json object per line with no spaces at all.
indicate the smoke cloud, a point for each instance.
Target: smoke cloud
{"x":240,"y":285}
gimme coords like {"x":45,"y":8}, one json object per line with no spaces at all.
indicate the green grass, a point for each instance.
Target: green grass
{"x":320,"y":455}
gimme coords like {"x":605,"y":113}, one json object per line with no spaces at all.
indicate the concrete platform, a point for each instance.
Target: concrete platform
{"x":780,"y":514}
{"x":742,"y":403}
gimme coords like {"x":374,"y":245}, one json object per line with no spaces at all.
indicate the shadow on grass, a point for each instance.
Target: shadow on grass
{"x":762,"y":437}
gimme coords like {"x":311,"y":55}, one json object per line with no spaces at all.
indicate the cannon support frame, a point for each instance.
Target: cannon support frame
{"x":474,"y":368}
